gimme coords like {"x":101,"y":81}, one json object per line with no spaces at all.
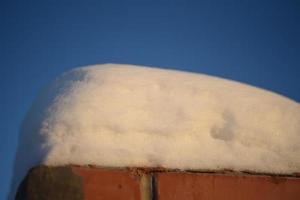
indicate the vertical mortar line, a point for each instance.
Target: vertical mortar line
{"x":154,"y":187}
{"x":146,"y":187}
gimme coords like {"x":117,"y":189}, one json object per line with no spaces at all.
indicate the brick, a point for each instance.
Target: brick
{"x":102,"y":184}
{"x":200,"y":186}
{"x":83,"y":183}
{"x":49,"y":183}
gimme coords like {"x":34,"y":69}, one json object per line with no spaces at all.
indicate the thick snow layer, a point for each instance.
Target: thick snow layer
{"x":124,"y":115}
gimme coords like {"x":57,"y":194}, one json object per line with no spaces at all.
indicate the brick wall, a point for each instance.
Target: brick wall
{"x":91,"y":183}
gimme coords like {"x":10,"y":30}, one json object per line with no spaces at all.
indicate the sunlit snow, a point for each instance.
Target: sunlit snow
{"x":125,"y":115}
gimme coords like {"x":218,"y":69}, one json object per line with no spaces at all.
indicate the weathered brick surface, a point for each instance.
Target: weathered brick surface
{"x":101,"y":184}
{"x":91,"y":183}
{"x":80,"y":183}
{"x":49,"y":183}
{"x":188,"y":186}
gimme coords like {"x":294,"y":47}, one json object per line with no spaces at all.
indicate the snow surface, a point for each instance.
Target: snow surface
{"x":125,"y":115}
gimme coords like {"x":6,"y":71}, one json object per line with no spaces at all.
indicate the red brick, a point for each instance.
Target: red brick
{"x":173,"y":186}
{"x":100,"y":184}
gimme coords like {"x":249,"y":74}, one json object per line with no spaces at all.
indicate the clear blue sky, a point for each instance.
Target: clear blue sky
{"x":254,"y":41}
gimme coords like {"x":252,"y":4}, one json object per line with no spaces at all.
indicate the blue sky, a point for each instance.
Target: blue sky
{"x":254,"y":41}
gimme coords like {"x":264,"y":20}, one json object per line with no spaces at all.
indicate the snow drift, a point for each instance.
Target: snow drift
{"x":124,"y":115}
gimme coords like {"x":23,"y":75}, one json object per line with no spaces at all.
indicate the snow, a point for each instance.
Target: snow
{"x":125,"y":115}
